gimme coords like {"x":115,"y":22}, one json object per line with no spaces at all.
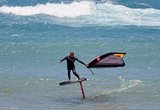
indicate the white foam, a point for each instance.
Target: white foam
{"x":90,"y":13}
{"x":59,"y":10}
{"x":122,"y":15}
{"x":125,"y":85}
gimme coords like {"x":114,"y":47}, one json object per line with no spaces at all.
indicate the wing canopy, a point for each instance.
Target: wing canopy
{"x":112,"y":59}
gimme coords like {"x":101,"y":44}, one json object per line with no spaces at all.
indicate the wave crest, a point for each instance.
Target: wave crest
{"x":86,"y":13}
{"x":59,"y":10}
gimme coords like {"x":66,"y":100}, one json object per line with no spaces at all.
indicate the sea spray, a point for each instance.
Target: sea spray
{"x":124,"y":85}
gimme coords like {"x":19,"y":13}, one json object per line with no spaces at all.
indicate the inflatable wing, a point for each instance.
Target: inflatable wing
{"x":112,"y":59}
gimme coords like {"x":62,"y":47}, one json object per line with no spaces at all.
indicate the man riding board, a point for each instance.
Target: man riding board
{"x":70,"y":64}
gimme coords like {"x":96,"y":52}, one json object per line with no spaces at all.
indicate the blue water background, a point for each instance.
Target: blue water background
{"x":31,"y":47}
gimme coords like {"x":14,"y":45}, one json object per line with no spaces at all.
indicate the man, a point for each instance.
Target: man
{"x":70,"y":64}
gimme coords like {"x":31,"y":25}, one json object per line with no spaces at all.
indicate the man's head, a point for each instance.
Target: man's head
{"x":71,"y":55}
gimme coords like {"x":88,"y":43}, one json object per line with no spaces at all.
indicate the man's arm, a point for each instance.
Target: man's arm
{"x":63,"y":59}
{"x":81,"y":62}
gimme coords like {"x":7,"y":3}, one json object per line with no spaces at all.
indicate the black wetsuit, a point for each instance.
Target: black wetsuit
{"x":71,"y":66}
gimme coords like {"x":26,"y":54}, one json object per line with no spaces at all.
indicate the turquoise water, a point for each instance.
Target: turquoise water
{"x":33,"y":42}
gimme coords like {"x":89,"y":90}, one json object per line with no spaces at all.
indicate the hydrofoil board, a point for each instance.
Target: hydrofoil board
{"x":72,"y":81}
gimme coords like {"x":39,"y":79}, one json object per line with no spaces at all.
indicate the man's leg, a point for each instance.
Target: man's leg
{"x":74,"y":72}
{"x":69,"y":75}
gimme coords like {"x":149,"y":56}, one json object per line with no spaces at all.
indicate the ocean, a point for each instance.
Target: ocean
{"x":36,"y":34}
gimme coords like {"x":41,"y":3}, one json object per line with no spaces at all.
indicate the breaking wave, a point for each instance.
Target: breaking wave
{"x":89,"y":13}
{"x":59,"y":10}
